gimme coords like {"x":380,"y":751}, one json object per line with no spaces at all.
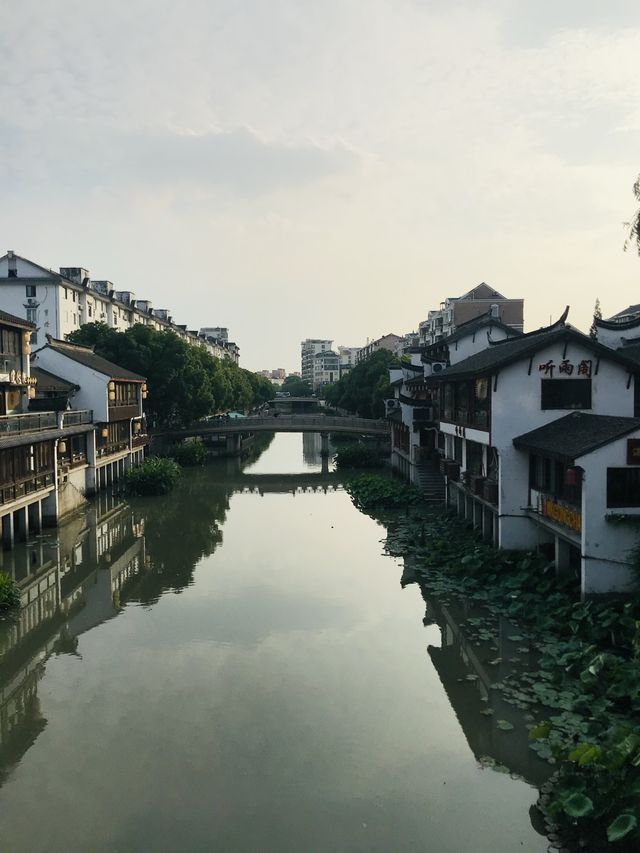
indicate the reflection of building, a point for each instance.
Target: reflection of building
{"x":66,"y":589}
{"x":467,"y":676}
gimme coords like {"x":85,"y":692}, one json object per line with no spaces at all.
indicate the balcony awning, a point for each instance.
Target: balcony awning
{"x":575,"y":435}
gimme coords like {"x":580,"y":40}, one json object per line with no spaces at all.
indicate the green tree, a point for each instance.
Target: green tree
{"x":597,"y":315}
{"x":633,"y":227}
{"x":185,"y":382}
{"x":364,"y":389}
{"x":297,"y":387}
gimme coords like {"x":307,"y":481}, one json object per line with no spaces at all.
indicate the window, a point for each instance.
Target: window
{"x":12,"y":272}
{"x":64,"y":291}
{"x":89,"y":310}
{"x":31,"y":291}
{"x":623,"y":487}
{"x":565,"y":394}
{"x":31,"y":315}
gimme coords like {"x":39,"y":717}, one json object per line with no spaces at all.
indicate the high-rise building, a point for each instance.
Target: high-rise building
{"x":309,"y":348}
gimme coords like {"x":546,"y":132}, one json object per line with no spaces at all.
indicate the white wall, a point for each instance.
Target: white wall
{"x":605,"y":545}
{"x":474,"y":342}
{"x":93,"y":393}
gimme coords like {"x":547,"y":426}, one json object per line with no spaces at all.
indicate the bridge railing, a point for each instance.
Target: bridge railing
{"x":308,"y":423}
{"x":324,"y":423}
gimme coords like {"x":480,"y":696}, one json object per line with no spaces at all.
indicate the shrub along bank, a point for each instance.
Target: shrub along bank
{"x":156,"y":476}
{"x":357,"y":456}
{"x":583,"y":701}
{"x":9,"y":596}
{"x":189,"y":453}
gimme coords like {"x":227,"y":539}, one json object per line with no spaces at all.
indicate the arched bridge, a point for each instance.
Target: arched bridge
{"x":281,"y":423}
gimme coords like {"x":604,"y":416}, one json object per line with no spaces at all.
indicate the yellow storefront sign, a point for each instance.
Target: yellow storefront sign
{"x":562,"y":514}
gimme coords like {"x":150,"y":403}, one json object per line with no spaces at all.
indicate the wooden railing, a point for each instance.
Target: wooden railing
{"x":30,"y":422}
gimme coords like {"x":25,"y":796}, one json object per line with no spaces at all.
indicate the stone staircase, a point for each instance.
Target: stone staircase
{"x":430,"y":481}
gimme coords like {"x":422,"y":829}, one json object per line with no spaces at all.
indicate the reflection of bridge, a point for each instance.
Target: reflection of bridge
{"x":281,"y":483}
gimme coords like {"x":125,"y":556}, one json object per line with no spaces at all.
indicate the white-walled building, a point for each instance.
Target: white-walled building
{"x":348,"y":357}
{"x":58,"y":303}
{"x":114,"y":397}
{"x":506,"y":391}
{"x":326,"y":369}
{"x":309,"y":348}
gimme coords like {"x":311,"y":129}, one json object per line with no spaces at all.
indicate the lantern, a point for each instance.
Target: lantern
{"x":137,"y":426}
{"x":112,"y":386}
{"x":112,"y":396}
{"x":104,"y":432}
{"x":62,"y":446}
{"x":571,"y":477}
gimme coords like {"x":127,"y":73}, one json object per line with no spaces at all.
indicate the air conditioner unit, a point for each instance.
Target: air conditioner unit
{"x":438,"y":366}
{"x":391,"y":404}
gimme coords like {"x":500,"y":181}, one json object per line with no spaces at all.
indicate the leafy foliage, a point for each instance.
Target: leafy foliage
{"x":9,"y":595}
{"x":156,"y":476}
{"x":364,"y":389}
{"x":597,"y":315}
{"x":189,"y":453}
{"x":583,"y":700}
{"x":185,"y":382}
{"x":357,"y":456}
{"x":373,"y":490}
{"x":297,"y":387}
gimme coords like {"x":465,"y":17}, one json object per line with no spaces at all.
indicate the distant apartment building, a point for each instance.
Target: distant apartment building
{"x":388,"y":342}
{"x":455,"y":311}
{"x":309,"y":348}
{"x":58,"y":303}
{"x":347,"y":357}
{"x":326,"y":369}
{"x":407,"y":342}
{"x":276,"y":376}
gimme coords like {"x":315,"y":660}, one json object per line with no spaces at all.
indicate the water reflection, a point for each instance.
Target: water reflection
{"x":281,"y":703}
{"x":68,"y":584}
{"x":113,"y":553}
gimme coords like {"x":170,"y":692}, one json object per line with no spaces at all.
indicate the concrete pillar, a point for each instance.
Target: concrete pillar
{"x":562,"y":556}
{"x":35,"y":517}
{"x":324,"y":444}
{"x":325,"y":464}
{"x":91,"y":485}
{"x":234,"y":444}
{"x":21,"y":524}
{"x":7,"y":531}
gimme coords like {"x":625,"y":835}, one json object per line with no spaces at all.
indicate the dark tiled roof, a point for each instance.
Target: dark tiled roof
{"x":50,"y":382}
{"x":485,"y":320}
{"x":576,"y":434}
{"x":86,"y":356}
{"x":502,"y":353}
{"x":631,"y":351}
{"x":630,"y":310}
{"x":615,"y":322}
{"x":5,"y":317}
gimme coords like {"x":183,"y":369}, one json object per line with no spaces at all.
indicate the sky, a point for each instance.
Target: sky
{"x":324,"y":168}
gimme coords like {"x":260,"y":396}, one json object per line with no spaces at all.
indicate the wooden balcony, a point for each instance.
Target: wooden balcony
{"x":10,"y":492}
{"x":124,"y":413}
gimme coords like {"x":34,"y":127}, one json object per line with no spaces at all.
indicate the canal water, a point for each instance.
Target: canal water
{"x":236,"y":667}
